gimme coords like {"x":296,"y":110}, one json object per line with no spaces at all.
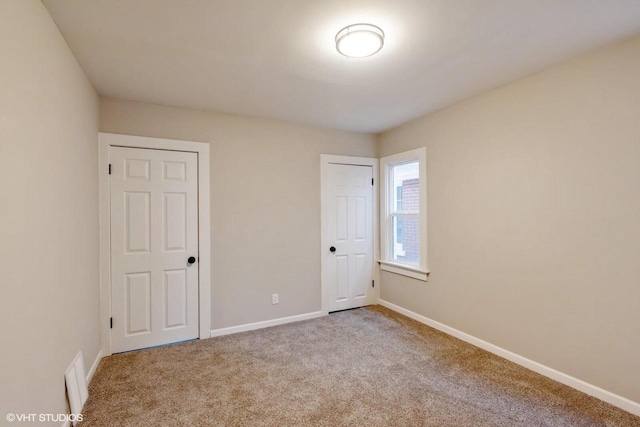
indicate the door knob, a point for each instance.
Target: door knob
{"x":191,"y":260}
{"x":332,"y":249}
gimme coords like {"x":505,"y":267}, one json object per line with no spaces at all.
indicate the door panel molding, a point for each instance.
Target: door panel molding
{"x":164,"y":236}
{"x":171,"y":171}
{"x":325,"y":241}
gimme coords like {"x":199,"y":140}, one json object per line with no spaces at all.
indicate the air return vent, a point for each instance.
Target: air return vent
{"x":76,"y":385}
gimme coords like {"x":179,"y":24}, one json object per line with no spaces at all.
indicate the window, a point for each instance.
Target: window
{"x":403,"y":214}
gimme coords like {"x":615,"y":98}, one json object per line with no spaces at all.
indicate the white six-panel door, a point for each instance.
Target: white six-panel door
{"x":348,"y":224}
{"x":154,"y":232}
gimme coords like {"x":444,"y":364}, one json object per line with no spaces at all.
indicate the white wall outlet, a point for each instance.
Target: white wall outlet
{"x":274,"y":299}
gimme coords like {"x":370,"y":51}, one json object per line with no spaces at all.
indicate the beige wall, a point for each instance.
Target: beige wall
{"x":265,"y":202}
{"x":48,"y":212}
{"x":534,"y":218}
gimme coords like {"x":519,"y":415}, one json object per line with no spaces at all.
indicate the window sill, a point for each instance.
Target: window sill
{"x":404,"y":270}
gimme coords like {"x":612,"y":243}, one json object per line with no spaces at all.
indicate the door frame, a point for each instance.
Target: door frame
{"x":325,"y":161}
{"x":105,"y":142}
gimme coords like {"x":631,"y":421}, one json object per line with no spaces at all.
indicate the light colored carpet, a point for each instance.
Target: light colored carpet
{"x":365,"y":367}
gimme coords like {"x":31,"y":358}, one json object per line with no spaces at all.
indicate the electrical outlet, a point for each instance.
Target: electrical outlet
{"x":274,"y":299}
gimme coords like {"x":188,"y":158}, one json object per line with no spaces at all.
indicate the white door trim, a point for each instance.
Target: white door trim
{"x":108,"y":140}
{"x":325,"y":160}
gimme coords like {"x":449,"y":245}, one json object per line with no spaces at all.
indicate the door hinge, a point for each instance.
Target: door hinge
{"x":373,"y":283}
{"x":111,"y":323}
{"x":109,"y":168}
{"x":371,"y":181}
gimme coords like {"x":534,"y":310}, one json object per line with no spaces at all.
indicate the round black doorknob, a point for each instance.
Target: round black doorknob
{"x":191,"y":260}
{"x":332,"y":249}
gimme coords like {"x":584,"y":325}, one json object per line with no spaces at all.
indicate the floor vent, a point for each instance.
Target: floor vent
{"x":76,"y":385}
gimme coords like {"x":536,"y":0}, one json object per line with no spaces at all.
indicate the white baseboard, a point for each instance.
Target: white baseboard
{"x":590,"y":389}
{"x":264,"y":324}
{"x":94,"y":366}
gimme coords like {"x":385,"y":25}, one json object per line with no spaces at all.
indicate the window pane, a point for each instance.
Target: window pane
{"x":404,"y":225}
{"x":406,"y":187}
{"x":406,"y":239}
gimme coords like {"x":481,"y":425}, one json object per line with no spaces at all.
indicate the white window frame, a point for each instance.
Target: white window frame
{"x":421,"y":271}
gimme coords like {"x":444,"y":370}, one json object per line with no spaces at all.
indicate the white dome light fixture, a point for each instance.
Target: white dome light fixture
{"x":359,"y":40}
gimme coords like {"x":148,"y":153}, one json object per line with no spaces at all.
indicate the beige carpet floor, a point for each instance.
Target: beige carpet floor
{"x":364,"y":367}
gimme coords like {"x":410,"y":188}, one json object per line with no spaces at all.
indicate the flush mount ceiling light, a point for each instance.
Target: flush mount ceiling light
{"x":359,"y":40}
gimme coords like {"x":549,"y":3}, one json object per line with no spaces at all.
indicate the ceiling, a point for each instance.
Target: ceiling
{"x":277,"y":59}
